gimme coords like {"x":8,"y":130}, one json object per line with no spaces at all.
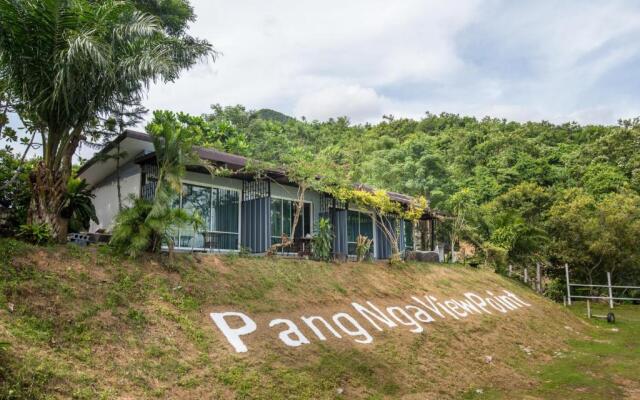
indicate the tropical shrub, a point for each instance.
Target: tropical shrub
{"x":363,"y":247}
{"x":495,"y":256}
{"x":35,"y":233}
{"x":78,"y":206}
{"x":321,"y":241}
{"x":146,"y":227}
{"x":555,"y":289}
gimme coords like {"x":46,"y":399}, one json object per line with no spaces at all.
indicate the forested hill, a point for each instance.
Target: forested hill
{"x":525,"y":191}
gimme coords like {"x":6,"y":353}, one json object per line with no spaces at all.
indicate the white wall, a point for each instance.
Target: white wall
{"x":106,"y":192}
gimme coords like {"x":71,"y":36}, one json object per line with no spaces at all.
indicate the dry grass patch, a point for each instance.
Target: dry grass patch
{"x":103,"y":326}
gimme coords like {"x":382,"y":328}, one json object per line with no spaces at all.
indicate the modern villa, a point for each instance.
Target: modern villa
{"x":241,"y":210}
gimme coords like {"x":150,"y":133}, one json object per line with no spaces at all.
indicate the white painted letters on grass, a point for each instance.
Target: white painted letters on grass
{"x":342,"y":325}
{"x":233,"y":334}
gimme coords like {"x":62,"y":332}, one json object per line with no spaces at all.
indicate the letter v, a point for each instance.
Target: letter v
{"x":430,"y":307}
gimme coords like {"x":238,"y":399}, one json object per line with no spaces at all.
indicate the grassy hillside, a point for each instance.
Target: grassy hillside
{"x":83,"y":323}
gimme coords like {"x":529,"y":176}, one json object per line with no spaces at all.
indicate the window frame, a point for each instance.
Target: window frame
{"x":373,"y":232}
{"x":292,"y":201}
{"x":211,"y":187}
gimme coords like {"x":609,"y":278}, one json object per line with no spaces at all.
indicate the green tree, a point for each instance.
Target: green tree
{"x":461,"y":207}
{"x":601,"y":178}
{"x":597,"y":236}
{"x":515,"y":221}
{"x":80,"y":60}
{"x":173,"y":145}
{"x":16,"y":192}
{"x":214,"y":132}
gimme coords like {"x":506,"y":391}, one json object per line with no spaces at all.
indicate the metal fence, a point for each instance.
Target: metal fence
{"x":610,"y":288}
{"x":533,"y":277}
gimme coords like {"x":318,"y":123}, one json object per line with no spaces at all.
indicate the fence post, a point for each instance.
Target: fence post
{"x":566,"y":272}
{"x":610,"y":290}
{"x":538,"y":278}
{"x":510,"y":270}
{"x":526,"y":275}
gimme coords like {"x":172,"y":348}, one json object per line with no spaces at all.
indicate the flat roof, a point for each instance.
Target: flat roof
{"x":142,"y":145}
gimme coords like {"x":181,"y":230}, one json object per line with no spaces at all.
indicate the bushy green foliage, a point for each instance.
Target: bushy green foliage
{"x":145,"y":227}
{"x":322,"y":241}
{"x":78,"y":206}
{"x":555,"y":290}
{"x":15,"y":191}
{"x":35,"y":233}
{"x":597,"y":235}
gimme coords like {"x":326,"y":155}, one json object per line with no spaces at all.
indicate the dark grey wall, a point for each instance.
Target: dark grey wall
{"x":256,"y":224}
{"x":340,"y":233}
{"x":383,"y":247}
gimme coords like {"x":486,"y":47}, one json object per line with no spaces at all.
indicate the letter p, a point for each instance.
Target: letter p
{"x":233,"y":334}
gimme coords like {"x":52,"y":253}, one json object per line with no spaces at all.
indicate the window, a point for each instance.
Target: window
{"x":358,"y":224}
{"x":282,"y":215}
{"x":224,"y":218}
{"x":408,"y":235}
{"x":195,"y":200}
{"x":219,"y":209}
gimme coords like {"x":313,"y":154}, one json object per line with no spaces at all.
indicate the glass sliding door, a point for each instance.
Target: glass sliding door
{"x":219,"y":209}
{"x":276,"y":220}
{"x":282,"y":215}
{"x":223,"y":231}
{"x":196,"y":200}
{"x":358,"y":224}
{"x":303,"y":228}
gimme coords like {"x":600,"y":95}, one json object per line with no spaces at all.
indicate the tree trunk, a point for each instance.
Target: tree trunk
{"x":389,"y":231}
{"x":395,"y":251}
{"x":288,"y":240}
{"x":47,"y":200}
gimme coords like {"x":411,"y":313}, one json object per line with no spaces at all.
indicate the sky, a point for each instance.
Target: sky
{"x":559,"y":61}
{"x":527,"y":60}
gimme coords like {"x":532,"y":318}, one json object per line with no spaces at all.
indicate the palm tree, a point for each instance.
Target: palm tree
{"x":147,"y":225}
{"x":68,"y":61}
{"x":173,"y":146}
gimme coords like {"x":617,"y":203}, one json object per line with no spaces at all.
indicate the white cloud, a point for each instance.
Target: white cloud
{"x":363,"y":59}
{"x":287,"y":54}
{"x":558,"y":61}
{"x":358,"y":103}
